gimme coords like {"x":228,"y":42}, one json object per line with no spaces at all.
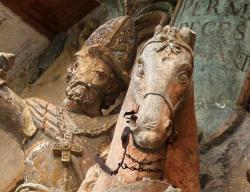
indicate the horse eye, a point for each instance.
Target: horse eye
{"x":101,"y":75}
{"x":183,"y":77}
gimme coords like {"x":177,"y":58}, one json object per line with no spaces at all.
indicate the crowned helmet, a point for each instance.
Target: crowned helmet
{"x":115,"y":42}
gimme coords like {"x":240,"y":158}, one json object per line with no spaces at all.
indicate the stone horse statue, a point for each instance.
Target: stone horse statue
{"x":155,"y":137}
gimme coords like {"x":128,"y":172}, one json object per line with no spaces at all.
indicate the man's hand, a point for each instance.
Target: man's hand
{"x":7,"y":61}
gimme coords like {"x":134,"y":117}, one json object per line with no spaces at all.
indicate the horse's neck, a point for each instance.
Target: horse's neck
{"x":116,"y":153}
{"x":116,"y":150}
{"x":182,"y":164}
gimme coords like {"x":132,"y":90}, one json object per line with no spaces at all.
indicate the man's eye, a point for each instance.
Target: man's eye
{"x":101,"y":75}
{"x":69,"y":76}
{"x":183,"y":77}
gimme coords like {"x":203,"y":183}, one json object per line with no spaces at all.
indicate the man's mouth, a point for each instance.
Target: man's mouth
{"x":81,"y":93}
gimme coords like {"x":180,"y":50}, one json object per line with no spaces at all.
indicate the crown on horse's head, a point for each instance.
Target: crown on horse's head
{"x":171,"y":37}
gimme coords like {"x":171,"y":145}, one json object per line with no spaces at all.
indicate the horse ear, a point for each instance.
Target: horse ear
{"x":188,"y":36}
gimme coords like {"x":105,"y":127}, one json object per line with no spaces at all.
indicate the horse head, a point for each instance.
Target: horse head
{"x":161,"y":81}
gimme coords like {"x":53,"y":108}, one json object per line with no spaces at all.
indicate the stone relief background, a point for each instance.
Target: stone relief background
{"x":26,"y":43}
{"x":222,"y":56}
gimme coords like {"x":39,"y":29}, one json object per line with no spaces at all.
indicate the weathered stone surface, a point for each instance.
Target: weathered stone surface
{"x":224,"y":167}
{"x":11,"y":162}
{"x":54,"y":78}
{"x":6,"y":63}
{"x":49,"y":55}
{"x":27,"y":44}
{"x":144,"y":186}
{"x":222,"y":57}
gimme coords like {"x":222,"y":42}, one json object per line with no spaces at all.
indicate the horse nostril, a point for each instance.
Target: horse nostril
{"x":134,"y":117}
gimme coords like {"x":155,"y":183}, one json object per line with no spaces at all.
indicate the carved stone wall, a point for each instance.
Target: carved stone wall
{"x":27,"y":44}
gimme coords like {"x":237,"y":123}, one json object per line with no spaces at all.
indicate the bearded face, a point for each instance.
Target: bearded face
{"x":91,"y":85}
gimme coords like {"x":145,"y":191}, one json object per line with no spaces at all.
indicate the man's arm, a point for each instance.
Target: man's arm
{"x":11,"y":105}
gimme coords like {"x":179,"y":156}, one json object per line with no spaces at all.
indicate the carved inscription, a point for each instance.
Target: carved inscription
{"x":230,"y":8}
{"x":221,"y":28}
{"x":222,"y":55}
{"x":220,"y":19}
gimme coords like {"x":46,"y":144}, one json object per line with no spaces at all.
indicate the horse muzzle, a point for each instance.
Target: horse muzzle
{"x":149,"y":134}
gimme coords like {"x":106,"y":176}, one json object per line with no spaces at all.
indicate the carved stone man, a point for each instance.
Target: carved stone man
{"x":57,"y":155}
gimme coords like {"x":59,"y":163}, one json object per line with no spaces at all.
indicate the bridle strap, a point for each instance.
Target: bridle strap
{"x":165,"y":98}
{"x":125,"y":141}
{"x":180,"y":102}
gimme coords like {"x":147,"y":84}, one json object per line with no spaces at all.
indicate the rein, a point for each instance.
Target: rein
{"x":125,"y":141}
{"x":166,"y":98}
